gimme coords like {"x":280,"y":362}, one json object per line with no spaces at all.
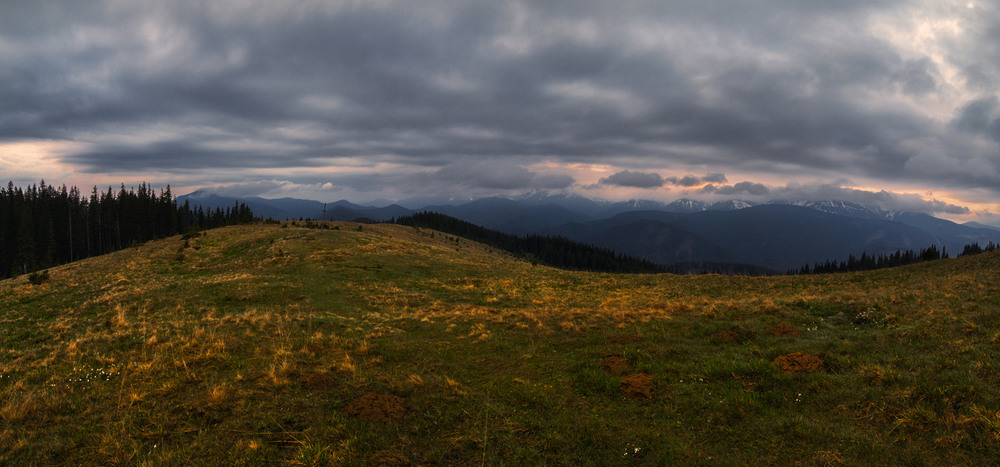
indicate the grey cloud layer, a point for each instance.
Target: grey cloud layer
{"x":494,"y":175}
{"x":456,"y":88}
{"x":629,"y":178}
{"x":741,"y":188}
{"x":884,"y":199}
{"x":638,"y":179}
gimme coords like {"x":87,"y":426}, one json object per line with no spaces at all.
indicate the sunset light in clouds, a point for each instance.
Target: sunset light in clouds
{"x":892,"y":103}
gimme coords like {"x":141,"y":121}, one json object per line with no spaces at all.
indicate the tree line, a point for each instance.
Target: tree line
{"x":558,"y":252}
{"x":975,"y":248}
{"x":868,"y":262}
{"x":43,"y":226}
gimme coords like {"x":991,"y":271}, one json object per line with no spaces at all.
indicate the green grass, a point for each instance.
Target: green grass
{"x":249,"y":345}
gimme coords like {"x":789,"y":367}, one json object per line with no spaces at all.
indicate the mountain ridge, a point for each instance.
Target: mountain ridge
{"x":683,"y":231}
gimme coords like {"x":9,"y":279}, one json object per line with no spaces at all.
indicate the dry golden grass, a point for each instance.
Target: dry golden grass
{"x":248,"y":349}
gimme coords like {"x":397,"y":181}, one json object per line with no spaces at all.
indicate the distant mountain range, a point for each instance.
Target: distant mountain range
{"x":292,"y":208}
{"x":777,"y":236}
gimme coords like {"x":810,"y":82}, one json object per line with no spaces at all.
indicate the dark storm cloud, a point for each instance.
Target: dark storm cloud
{"x":977,"y":115}
{"x":628,"y":178}
{"x":741,"y":188}
{"x":691,"y":180}
{"x":714,"y":178}
{"x":443,"y":86}
{"x":175,"y":156}
{"x":495,"y":175}
{"x":981,"y":116}
{"x":688,"y":181}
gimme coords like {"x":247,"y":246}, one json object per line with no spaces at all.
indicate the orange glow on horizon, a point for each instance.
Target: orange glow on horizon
{"x":30,"y":161}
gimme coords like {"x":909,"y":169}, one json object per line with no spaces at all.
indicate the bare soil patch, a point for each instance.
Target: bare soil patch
{"x":615,"y":364}
{"x":799,"y":362}
{"x":318,"y":381}
{"x":734,"y":335}
{"x":784,"y":330}
{"x":749,"y":383}
{"x":625,"y":338}
{"x":637,"y":386}
{"x":378,"y":407}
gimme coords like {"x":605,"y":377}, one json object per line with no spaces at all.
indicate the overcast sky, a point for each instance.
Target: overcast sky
{"x":890,"y":101}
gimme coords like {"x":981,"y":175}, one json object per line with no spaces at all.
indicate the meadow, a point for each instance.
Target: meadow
{"x":389,"y":345}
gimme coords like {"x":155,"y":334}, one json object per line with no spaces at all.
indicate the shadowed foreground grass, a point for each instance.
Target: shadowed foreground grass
{"x":387,"y":344}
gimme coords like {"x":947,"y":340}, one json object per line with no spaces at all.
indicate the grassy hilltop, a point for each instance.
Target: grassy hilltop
{"x":384,"y":344}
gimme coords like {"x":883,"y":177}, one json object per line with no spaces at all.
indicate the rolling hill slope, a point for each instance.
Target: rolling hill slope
{"x":386,"y":344}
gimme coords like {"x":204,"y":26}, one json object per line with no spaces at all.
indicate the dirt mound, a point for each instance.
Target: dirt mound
{"x":615,"y":364}
{"x":749,"y":383}
{"x":798,"y":362}
{"x":638,"y":386}
{"x":783,"y":330}
{"x":625,"y":338}
{"x":318,"y":381}
{"x":378,"y":407}
{"x":732,"y":335}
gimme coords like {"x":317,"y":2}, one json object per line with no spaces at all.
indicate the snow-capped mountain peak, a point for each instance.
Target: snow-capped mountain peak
{"x":843,"y":208}
{"x":686,"y":205}
{"x":731,"y":205}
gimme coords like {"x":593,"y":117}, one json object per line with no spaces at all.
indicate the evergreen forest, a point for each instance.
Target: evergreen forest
{"x":867,"y":262}
{"x":552,"y":251}
{"x":43,"y":226}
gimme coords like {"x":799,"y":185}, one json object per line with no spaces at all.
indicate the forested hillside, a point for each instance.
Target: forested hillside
{"x":42,"y":226}
{"x":552,"y":251}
